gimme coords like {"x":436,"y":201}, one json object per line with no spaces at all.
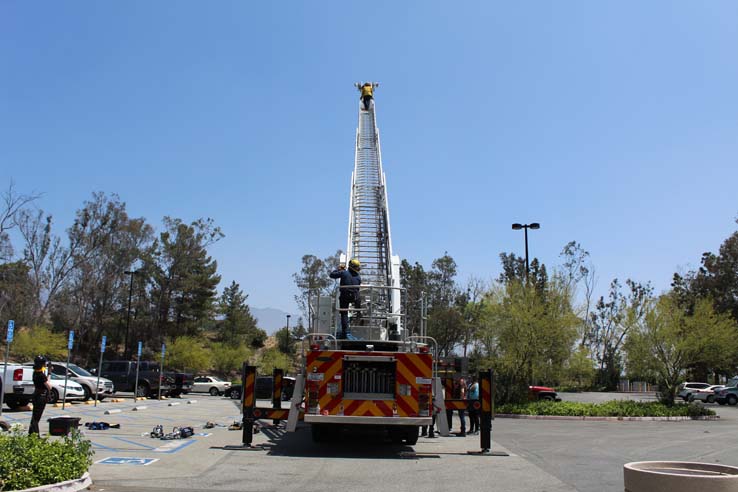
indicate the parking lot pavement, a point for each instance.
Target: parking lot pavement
{"x":589,"y":456}
{"x":129,"y":459}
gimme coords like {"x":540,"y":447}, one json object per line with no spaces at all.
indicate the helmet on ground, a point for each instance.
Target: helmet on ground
{"x":355,"y":265}
{"x":39,"y":362}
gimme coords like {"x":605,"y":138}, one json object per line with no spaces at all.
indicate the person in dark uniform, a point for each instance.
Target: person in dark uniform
{"x":367,"y":93}
{"x":41,"y":390}
{"x":348,"y":296}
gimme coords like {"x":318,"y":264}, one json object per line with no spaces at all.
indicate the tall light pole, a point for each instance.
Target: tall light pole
{"x":517,"y":227}
{"x":288,"y":322}
{"x":128,"y":315}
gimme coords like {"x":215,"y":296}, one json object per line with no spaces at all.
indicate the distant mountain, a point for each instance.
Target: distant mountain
{"x":271,"y":319}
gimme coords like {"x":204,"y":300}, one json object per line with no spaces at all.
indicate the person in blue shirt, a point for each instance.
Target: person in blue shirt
{"x":348,"y":296}
{"x":473,"y":395}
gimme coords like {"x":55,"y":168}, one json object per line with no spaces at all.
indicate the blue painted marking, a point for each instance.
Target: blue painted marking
{"x":97,"y":445}
{"x":132,"y":442}
{"x":127,"y":461}
{"x":178,"y":448}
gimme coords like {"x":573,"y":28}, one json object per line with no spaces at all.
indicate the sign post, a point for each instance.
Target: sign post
{"x":70,"y":344}
{"x":138,"y":364}
{"x":99,"y":366}
{"x":161,"y":367}
{"x":8,"y":339}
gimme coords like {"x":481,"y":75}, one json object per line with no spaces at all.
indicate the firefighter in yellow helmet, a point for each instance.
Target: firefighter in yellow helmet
{"x":348,"y":295}
{"x":367,"y":93}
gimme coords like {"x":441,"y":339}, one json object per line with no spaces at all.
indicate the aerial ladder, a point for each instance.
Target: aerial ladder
{"x":381,"y":377}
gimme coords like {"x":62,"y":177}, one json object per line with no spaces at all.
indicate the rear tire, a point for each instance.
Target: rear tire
{"x":411,"y":437}
{"x":236,"y":395}
{"x":732,"y":400}
{"x":143,"y":390}
{"x":88,"y":393}
{"x":710,"y":399}
{"x":214,"y":391}
{"x":53,"y":396}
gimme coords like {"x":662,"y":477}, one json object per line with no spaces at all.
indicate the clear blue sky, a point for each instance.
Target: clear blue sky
{"x":613,"y":123}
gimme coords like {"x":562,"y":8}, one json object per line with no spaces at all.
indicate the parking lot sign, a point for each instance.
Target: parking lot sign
{"x":140,"y":346}
{"x":102,"y":344}
{"x":11,"y":330}
{"x":71,"y":340}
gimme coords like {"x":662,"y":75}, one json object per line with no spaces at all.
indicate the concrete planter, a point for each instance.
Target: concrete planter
{"x":676,"y":476}
{"x":67,"y":486}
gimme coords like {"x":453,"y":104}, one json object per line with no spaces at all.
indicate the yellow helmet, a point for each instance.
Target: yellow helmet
{"x":355,"y":265}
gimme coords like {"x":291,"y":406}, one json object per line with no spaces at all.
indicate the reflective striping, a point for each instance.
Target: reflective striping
{"x":456,"y":404}
{"x":248,"y":389}
{"x":486,"y":394}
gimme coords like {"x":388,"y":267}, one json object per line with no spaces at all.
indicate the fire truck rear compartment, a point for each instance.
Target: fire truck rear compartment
{"x":369,"y":378}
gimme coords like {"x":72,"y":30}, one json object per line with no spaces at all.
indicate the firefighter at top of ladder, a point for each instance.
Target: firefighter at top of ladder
{"x":367,"y":93}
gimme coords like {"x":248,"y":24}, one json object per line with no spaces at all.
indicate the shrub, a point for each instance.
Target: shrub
{"x":613,"y":408}
{"x":31,"y":461}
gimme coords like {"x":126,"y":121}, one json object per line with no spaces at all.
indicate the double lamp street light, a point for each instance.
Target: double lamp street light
{"x":517,"y":227}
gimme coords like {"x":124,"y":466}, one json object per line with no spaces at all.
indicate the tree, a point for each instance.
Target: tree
{"x":414,"y":280}
{"x":272,"y":359}
{"x":11,"y":205}
{"x":184,"y":276}
{"x":668,"y":340}
{"x":609,"y":325}
{"x":186,"y":352}
{"x":238,"y":325}
{"x":285,"y":341}
{"x":312,"y":280}
{"x":38,"y":340}
{"x":15,"y":292}
{"x":528,"y":335}
{"x":227,"y":358}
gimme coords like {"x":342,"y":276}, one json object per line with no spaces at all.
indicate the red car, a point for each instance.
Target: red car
{"x":542,"y":393}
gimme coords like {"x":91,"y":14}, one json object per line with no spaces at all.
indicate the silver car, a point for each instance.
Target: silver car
{"x":74,"y":391}
{"x":85,"y":379}
{"x":685,"y":389}
{"x":210,"y":384}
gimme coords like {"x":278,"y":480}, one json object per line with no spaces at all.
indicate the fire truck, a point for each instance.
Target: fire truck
{"x":380,"y":378}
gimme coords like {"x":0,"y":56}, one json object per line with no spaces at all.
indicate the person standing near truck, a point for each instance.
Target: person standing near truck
{"x":41,"y":388}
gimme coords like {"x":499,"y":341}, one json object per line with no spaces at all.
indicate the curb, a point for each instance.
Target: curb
{"x":604,"y":419}
{"x":68,"y":486}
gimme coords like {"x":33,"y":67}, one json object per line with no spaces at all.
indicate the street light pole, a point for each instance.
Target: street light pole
{"x":288,"y":322}
{"x":517,"y":227}
{"x":128,"y":314}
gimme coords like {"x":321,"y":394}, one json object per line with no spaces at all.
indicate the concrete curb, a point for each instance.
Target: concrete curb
{"x":68,"y":486}
{"x":603,"y":419}
{"x":112,"y":411}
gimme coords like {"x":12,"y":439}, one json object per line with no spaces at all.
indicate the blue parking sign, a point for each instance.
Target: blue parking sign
{"x":140,"y":346}
{"x":11,"y":330}
{"x":163,"y":349}
{"x":102,"y":344}
{"x":71,"y":340}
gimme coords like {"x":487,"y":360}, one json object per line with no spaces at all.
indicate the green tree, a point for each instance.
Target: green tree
{"x":285,"y":341}
{"x":187,"y":353}
{"x":238,"y":324}
{"x":227,"y":358}
{"x":15,"y":293}
{"x":668,"y":340}
{"x":38,"y":340}
{"x":528,"y":335}
{"x":414,"y":280}
{"x":312,"y":280}
{"x":579,"y":369}
{"x":184,"y":276}
{"x":273,"y":358}
{"x":609,"y":324}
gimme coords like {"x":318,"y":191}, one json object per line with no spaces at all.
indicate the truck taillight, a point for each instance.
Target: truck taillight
{"x":312,"y":399}
{"x":18,"y":375}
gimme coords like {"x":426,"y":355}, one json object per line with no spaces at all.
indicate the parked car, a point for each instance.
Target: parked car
{"x":263,"y":389}
{"x":707,"y":395}
{"x":210,"y":384}
{"x":686,"y":388}
{"x":18,"y":385}
{"x":74,"y":390}
{"x":542,"y":393}
{"x":728,"y":394}
{"x":84,"y":378}
{"x":123,"y":375}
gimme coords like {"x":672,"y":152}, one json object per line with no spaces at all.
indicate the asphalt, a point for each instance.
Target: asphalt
{"x":544,"y":455}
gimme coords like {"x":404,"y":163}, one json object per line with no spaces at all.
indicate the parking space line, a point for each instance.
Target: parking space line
{"x":132,"y":442}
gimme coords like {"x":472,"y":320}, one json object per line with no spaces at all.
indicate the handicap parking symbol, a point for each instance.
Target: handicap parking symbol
{"x":126,"y":461}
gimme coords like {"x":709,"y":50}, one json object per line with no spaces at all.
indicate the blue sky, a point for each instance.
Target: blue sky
{"x":613,"y":123}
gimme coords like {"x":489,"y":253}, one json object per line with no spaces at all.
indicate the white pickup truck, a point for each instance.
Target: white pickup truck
{"x":18,"y":385}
